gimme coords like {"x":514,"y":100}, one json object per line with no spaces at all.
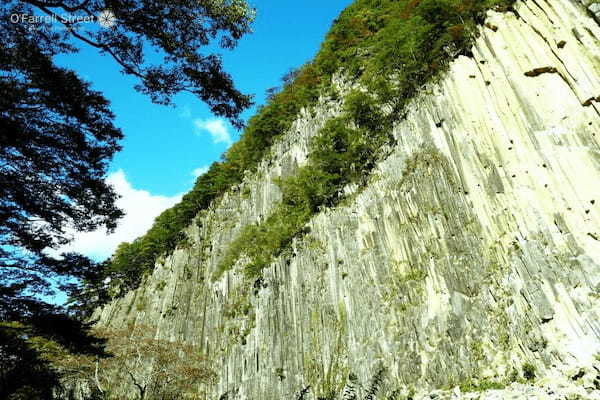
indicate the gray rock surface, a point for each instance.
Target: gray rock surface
{"x":473,"y":253}
{"x":595,"y":9}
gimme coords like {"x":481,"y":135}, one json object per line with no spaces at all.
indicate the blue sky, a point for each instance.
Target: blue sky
{"x":165,"y":148}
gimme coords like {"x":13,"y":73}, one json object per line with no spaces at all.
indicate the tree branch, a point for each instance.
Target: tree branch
{"x":140,"y":388}
{"x":59,"y":4}
{"x":98,"y":380}
{"x":69,"y":25}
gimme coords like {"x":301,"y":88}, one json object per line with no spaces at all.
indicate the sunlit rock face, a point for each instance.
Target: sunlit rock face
{"x":473,"y":255}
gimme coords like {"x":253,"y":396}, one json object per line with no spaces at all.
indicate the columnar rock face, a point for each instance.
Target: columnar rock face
{"x":472,"y":256}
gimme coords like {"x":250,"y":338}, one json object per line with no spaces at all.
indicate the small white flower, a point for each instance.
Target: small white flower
{"x":107,"y":19}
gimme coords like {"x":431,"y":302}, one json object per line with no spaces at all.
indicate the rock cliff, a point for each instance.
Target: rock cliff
{"x":471,"y":259}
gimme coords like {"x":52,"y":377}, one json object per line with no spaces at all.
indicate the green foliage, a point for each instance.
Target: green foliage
{"x":263,"y":242}
{"x":415,"y":275}
{"x":344,"y":151}
{"x":57,"y":138}
{"x":375,"y":39}
{"x":132,"y":261}
{"x":19,"y":363}
{"x":141,"y":306}
{"x":529,"y":371}
{"x":372,"y":40}
{"x":29,"y":351}
{"x":481,"y":386}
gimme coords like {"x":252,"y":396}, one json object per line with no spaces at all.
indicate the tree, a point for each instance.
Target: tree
{"x":84,"y":363}
{"x":155,"y":368}
{"x":177,"y":30}
{"x":18,"y":363}
{"x":27,"y":350}
{"x":57,"y":135}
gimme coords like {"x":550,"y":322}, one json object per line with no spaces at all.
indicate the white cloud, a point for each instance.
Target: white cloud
{"x":140,"y":207}
{"x":200,"y":171}
{"x":217,"y":129}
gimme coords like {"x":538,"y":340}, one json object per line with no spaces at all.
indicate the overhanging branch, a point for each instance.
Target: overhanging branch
{"x":45,"y":7}
{"x":59,"y":4}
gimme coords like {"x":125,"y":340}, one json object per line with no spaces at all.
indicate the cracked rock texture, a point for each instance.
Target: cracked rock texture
{"x":593,"y":6}
{"x":472,"y":255}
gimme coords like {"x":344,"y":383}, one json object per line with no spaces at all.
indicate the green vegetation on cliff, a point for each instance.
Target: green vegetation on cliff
{"x":344,"y":152}
{"x":391,"y":47}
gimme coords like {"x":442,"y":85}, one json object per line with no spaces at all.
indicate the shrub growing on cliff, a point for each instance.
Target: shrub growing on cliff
{"x":344,"y":151}
{"x":529,"y":371}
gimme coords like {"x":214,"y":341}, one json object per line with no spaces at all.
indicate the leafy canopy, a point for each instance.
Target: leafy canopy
{"x":64,"y":354}
{"x":30,"y":349}
{"x":57,"y":135}
{"x":177,"y":31}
